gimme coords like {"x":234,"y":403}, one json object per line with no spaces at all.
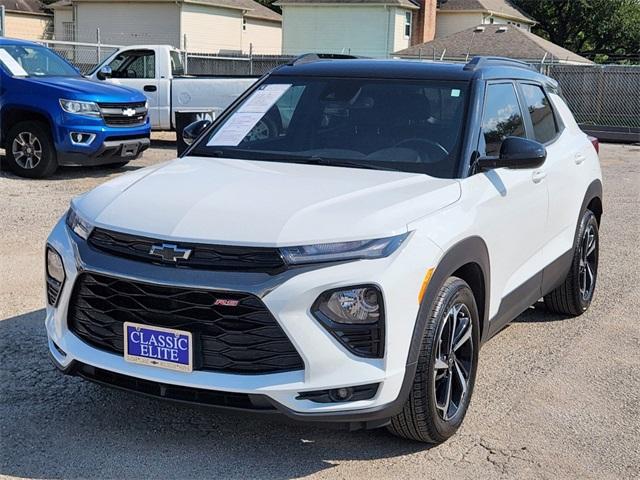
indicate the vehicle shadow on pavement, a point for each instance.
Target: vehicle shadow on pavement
{"x":72,"y":173}
{"x":55,"y":426}
{"x":538,"y":313}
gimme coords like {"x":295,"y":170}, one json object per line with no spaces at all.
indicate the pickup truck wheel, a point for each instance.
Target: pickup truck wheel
{"x":446,"y":369}
{"x":574,"y":296}
{"x":30,"y":150}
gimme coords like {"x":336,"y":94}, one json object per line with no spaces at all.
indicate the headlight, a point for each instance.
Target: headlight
{"x":354,"y":315}
{"x":55,"y":275}
{"x":354,"y":305}
{"x":330,"y":252}
{"x":77,"y":224}
{"x":80,"y":108}
{"x":55,"y":269}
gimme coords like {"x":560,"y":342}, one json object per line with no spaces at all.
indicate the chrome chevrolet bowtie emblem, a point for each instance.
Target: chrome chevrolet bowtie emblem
{"x":170,"y":253}
{"x":128,"y":112}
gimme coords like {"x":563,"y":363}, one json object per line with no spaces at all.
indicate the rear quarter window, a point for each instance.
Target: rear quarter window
{"x":539,"y":109}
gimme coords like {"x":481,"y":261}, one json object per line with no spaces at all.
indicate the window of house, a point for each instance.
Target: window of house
{"x":134,"y":64}
{"x":502,"y":117}
{"x":542,"y":118}
{"x":407,"y":24}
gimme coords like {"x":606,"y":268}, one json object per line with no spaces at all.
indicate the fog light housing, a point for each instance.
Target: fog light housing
{"x":339,"y":395}
{"x":355,"y":317}
{"x":82,"y":139}
{"x":55,"y":275}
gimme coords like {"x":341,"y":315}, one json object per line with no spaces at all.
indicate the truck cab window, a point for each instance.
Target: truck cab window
{"x":177,"y":66}
{"x":502,"y":117}
{"x":134,"y":64}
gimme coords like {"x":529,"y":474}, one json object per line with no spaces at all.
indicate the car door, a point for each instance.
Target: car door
{"x":137,"y":69}
{"x":511,"y":207}
{"x":563,"y":165}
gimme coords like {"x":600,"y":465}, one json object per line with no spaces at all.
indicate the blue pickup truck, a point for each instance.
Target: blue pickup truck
{"x":51,"y":115}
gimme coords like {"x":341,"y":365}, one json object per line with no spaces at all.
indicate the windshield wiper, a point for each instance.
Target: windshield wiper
{"x":337,"y":162}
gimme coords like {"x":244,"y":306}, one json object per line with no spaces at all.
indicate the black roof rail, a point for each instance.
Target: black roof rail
{"x":316,"y":57}
{"x":478,"y":62}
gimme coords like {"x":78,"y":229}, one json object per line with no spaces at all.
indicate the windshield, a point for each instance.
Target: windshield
{"x":405,"y":125}
{"x":34,"y":61}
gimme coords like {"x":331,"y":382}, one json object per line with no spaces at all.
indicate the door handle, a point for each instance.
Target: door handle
{"x":538,"y":176}
{"x":150,"y":88}
{"x":579,"y":158}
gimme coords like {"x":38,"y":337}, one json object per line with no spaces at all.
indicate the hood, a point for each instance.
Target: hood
{"x":241,"y":202}
{"x":81,"y":88}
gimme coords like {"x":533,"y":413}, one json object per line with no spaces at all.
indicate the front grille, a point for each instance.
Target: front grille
{"x":203,"y":256}
{"x":242,"y":339}
{"x":200,"y":396}
{"x":114,"y":113}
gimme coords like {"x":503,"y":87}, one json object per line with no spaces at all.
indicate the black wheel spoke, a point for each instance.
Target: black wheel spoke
{"x":452,"y":364}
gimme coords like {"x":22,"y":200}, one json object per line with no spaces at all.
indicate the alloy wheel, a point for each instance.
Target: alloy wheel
{"x":453,"y":363}
{"x":26,"y":150}
{"x":588,"y":262}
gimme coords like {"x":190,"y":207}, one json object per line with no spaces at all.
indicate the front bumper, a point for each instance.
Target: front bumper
{"x":289,"y":297}
{"x":108,"y":144}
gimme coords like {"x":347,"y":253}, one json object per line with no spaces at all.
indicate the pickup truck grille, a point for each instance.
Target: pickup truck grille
{"x":242,"y":338}
{"x":203,"y":256}
{"x":123,"y":114}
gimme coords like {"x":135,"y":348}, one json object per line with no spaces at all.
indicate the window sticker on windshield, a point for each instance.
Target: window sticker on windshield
{"x":264,"y":98}
{"x":455,"y":92}
{"x":236,"y":128}
{"x":14,"y":67}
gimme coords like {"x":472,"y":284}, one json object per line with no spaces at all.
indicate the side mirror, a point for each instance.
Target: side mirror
{"x":517,"y":153}
{"x":104,"y":73}
{"x":194,"y":130}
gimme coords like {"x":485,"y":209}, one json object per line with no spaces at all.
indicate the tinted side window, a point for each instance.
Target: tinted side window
{"x":542,"y":119}
{"x":502,"y":117}
{"x":134,"y":64}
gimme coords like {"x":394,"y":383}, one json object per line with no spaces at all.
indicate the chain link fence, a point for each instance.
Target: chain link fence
{"x":601,"y":95}
{"x":85,"y":56}
{"x":241,"y":64}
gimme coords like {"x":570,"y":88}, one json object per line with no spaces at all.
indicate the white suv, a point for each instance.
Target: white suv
{"x":337,"y":246}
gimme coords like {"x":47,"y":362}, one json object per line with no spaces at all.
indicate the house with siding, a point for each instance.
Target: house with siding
{"x":25,"y":19}
{"x":208,"y":26}
{"x":377,"y":28}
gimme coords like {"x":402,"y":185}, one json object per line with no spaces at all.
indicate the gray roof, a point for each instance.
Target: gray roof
{"x":23,"y":6}
{"x":400,"y":3}
{"x":498,"y":7}
{"x":496,"y":40}
{"x":253,"y":9}
{"x":61,"y":3}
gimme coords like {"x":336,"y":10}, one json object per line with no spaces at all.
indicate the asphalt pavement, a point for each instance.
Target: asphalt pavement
{"x":555,"y":397}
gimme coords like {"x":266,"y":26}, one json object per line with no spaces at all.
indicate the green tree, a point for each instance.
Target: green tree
{"x":604,"y":30}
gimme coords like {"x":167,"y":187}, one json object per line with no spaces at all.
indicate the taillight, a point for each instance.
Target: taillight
{"x":596,"y":143}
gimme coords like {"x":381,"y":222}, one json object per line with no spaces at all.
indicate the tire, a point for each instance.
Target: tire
{"x":423,"y":417}
{"x":30,"y":150}
{"x":575,"y":294}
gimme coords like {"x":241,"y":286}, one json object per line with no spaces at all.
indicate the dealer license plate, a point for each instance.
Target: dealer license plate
{"x":158,"y":347}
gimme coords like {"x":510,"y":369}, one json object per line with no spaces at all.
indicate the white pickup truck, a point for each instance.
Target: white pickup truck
{"x":158,"y":71}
